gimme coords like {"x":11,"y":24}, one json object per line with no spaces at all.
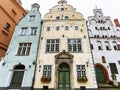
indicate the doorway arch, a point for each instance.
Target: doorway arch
{"x":17,"y":77}
{"x":101,"y":74}
{"x":64,"y":77}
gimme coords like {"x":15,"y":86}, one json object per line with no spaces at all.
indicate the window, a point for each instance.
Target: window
{"x":113,"y":68}
{"x":66,"y":17}
{"x":58,"y":17}
{"x":47,"y":70}
{"x":7,"y":26}
{"x":74,"y":45}
{"x":99,"y":45}
{"x":24,"y":49}
{"x":114,"y":45}
{"x":81,"y":71}
{"x":103,"y":59}
{"x":33,"y":31}
{"x":107,"y":45}
{"x":57,"y":28}
{"x":52,"y":45}
{"x":96,"y":28}
{"x":62,"y":9}
{"x":119,"y":62}
{"x":23,"y":31}
{"x":48,"y":28}
{"x":66,"y":28}
{"x":108,"y":28}
{"x":91,"y":46}
{"x":76,"y":27}
{"x":32,"y":17}
{"x":101,"y":28}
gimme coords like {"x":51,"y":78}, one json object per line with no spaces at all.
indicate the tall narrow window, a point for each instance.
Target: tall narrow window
{"x":81,"y":71}
{"x":96,"y":28}
{"x":48,"y":28}
{"x":99,"y":45}
{"x":114,"y":45}
{"x":33,"y":31}
{"x":57,"y":28}
{"x":7,"y":26}
{"x":107,"y":45}
{"x":23,"y":31}
{"x":52,"y":45}
{"x":47,"y":70}
{"x":113,"y":68}
{"x":103,"y":59}
{"x":32,"y":17}
{"x":91,"y":46}
{"x":76,"y":27}
{"x":24,"y":49}
{"x":66,"y":27}
{"x":74,"y":45}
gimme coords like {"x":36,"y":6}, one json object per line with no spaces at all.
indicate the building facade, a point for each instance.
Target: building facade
{"x":17,"y":68}
{"x":105,"y":45}
{"x":64,"y":61}
{"x":11,"y":12}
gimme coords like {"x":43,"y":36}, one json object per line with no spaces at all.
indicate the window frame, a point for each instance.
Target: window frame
{"x":7,"y":26}
{"x":66,"y":27}
{"x":47,"y":71}
{"x":23,"y":31}
{"x":81,"y":71}
{"x":57,"y":28}
{"x":76,"y":27}
{"x":33,"y":31}
{"x":32,"y":17}
{"x":52,"y":45}
{"x":24,"y":49}
{"x":48,"y":28}
{"x":74,"y":45}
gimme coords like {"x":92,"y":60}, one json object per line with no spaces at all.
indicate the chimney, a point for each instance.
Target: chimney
{"x":117,"y":24}
{"x":35,"y":5}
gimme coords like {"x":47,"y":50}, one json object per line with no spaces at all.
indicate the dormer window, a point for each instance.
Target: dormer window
{"x":32,"y":18}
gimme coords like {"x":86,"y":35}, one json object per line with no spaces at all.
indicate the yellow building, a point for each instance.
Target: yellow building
{"x":64,"y":60}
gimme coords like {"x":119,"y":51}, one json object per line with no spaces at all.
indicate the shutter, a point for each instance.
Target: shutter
{"x":113,"y":68}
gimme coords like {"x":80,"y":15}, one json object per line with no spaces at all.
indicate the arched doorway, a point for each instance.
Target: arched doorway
{"x":17,"y":77}
{"x":64,"y":77}
{"x":101,"y":74}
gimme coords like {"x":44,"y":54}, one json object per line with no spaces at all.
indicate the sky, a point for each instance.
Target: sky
{"x":109,"y":7}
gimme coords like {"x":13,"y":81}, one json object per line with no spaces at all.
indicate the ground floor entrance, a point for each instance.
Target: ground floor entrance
{"x":64,"y":77}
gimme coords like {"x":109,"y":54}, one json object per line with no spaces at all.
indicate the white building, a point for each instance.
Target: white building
{"x":105,"y":41}
{"x":65,"y":61}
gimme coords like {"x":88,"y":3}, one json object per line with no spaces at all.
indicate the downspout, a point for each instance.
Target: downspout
{"x":37,"y":55}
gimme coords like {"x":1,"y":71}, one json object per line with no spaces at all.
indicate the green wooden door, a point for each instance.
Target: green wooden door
{"x":17,"y":79}
{"x":100,"y":76}
{"x":64,"y":79}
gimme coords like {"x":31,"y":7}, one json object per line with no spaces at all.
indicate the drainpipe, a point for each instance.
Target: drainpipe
{"x":37,"y":55}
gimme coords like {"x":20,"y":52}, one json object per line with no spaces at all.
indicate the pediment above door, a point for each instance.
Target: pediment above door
{"x":64,"y":55}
